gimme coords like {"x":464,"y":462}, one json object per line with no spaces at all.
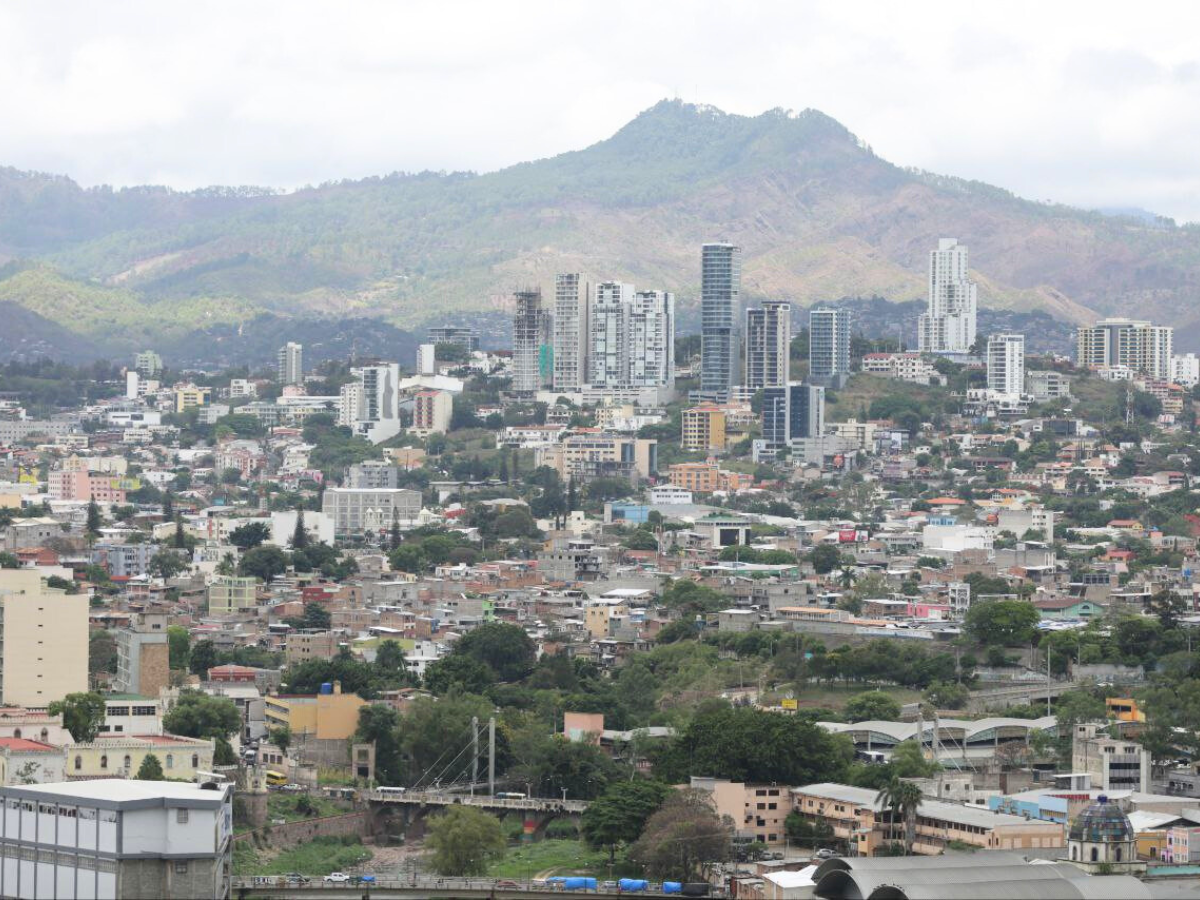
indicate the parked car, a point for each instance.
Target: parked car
{"x":826,"y":853}
{"x":297,"y":878}
{"x":337,"y":878}
{"x":293,"y":788}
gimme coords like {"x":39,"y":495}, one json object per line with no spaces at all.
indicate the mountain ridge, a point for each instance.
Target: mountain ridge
{"x":819,"y":216}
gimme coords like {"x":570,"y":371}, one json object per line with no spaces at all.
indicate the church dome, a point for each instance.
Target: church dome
{"x":1101,"y":823}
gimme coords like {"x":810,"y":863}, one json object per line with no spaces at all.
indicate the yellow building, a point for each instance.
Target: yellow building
{"x":230,"y":594}
{"x":704,"y":429}
{"x":43,"y":640}
{"x":332,"y":716}
{"x":188,"y":396}
{"x":121,"y":756}
{"x":1124,"y":709}
{"x":598,"y":613}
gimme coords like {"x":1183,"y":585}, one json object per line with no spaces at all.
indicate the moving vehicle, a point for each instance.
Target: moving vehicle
{"x":337,"y":878}
{"x":826,"y":853}
{"x":507,"y":886}
{"x":297,"y":878}
{"x":390,"y":790}
{"x":276,"y":778}
{"x":508,"y":795}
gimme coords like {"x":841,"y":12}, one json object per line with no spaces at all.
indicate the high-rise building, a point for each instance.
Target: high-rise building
{"x":828,"y":344}
{"x":1006,"y":364}
{"x":431,"y":412}
{"x":427,"y":359}
{"x":1136,"y":345}
{"x":1185,"y":369}
{"x":43,"y":640}
{"x":948,"y":324}
{"x":792,"y":412}
{"x":291,"y":363}
{"x":455,"y":334}
{"x":572,"y":333}
{"x":370,"y":406}
{"x":143,"y":657}
{"x":768,"y":344}
{"x":148,"y":364}
{"x":720,"y":287}
{"x":703,"y":429}
{"x":532,"y":352}
{"x":608,"y":345}
{"x":652,"y":339}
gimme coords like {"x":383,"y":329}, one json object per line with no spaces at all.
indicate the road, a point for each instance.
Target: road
{"x":417,"y":887}
{"x":441,"y":798}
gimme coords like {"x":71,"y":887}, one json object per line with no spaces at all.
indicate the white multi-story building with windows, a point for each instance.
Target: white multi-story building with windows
{"x":571,"y":331}
{"x":768,"y":344}
{"x":370,"y":406}
{"x":355,"y":511}
{"x":291,"y":363}
{"x":1119,"y":344}
{"x":112,"y":838}
{"x":1006,"y":364}
{"x":948,"y":324}
{"x":828,"y":344}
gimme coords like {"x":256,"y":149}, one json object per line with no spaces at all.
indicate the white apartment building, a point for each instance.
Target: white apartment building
{"x":291,"y":363}
{"x":43,"y":640}
{"x":828,"y":343}
{"x":948,"y":325}
{"x":608,"y":326}
{"x":631,"y":338}
{"x":431,"y":412}
{"x":426,"y":359}
{"x":1006,"y":364}
{"x":1047,"y":385}
{"x":901,"y":366}
{"x":652,"y":339}
{"x":1185,"y":369}
{"x":355,"y":511}
{"x":571,"y":330}
{"x":112,"y":838}
{"x":768,"y":344}
{"x":370,"y":406}
{"x":1117,"y":344}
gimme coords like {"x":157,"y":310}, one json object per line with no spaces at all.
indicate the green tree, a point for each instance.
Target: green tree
{"x":506,"y":649}
{"x":618,"y":816}
{"x":203,"y":657}
{"x":281,"y":737}
{"x":464,"y":840}
{"x":201,"y":716}
{"x":166,"y":564}
{"x":908,"y":761}
{"x":102,"y":652}
{"x":947,"y":695}
{"x":1006,"y":623}
{"x":9,"y":561}
{"x":872,"y":706}
{"x":178,"y":647}
{"x":150,"y":769}
{"x":300,"y":538}
{"x":82,"y":715}
{"x":460,"y":674}
{"x":380,"y":725}
{"x":94,"y":521}
{"x":903,"y":799}
{"x":316,"y":618}
{"x":250,"y":535}
{"x":825,"y":558}
{"x":264,"y":563}
{"x":683,"y":837}
{"x":749,"y":745}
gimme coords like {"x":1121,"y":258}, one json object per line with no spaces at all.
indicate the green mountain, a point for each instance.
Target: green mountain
{"x":818,"y":214}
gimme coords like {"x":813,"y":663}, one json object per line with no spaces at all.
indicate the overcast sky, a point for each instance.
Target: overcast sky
{"x":1089,"y":103}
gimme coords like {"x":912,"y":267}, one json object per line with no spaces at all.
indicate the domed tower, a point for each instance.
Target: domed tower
{"x":1102,"y":839}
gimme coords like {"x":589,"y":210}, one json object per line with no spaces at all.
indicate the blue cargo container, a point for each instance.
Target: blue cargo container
{"x":633,"y":884}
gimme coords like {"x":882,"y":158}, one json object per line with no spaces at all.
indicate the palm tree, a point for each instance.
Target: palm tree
{"x":902,"y":797}
{"x":848,"y":577}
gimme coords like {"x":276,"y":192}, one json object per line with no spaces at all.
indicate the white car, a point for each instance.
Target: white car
{"x":337,"y":878}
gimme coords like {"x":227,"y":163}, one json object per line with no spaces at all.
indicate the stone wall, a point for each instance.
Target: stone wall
{"x":282,"y":837}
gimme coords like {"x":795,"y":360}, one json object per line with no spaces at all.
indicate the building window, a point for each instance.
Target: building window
{"x":16,"y":732}
{"x":1095,"y":854}
{"x":195,"y":760}
{"x":170,"y":761}
{"x":128,"y":762}
{"x":78,"y":763}
{"x":104,"y":761}
{"x":45,"y":735}
{"x":180,"y":867}
{"x":181,"y":816}
{"x":1118,"y":854}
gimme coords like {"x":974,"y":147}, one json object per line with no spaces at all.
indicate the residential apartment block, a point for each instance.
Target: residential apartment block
{"x":43,"y":640}
{"x":1126,"y":343}
{"x":948,"y":324}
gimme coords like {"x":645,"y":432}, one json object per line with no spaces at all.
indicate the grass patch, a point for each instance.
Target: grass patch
{"x":836,"y":695}
{"x":287,"y":807}
{"x":318,"y":857}
{"x":557,"y":857}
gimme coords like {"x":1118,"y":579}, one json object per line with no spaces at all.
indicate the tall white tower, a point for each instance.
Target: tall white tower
{"x":948,"y":325}
{"x":768,"y":344}
{"x":571,"y":332}
{"x":1006,"y":364}
{"x":291,"y":363}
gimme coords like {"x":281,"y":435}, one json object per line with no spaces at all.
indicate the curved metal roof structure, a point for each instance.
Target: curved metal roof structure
{"x":1007,"y":876}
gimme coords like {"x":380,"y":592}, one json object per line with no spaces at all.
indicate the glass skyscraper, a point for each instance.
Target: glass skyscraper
{"x":720,"y":284}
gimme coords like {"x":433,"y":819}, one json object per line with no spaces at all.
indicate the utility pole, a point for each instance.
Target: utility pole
{"x":1047,"y":679}
{"x":492,"y":756}
{"x":474,"y":752}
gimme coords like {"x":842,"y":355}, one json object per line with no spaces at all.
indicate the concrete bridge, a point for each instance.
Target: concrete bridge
{"x":421,"y":886}
{"x":409,"y":809}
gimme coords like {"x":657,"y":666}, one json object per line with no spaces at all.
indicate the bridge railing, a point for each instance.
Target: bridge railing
{"x":437,"y":798}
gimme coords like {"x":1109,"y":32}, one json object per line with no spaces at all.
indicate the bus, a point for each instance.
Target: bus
{"x":276,"y":778}
{"x":502,"y":795}
{"x":390,"y":790}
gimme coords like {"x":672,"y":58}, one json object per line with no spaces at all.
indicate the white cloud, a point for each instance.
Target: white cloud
{"x":1092,"y":103}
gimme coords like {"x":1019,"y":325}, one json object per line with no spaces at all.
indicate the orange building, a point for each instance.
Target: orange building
{"x":706,"y":477}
